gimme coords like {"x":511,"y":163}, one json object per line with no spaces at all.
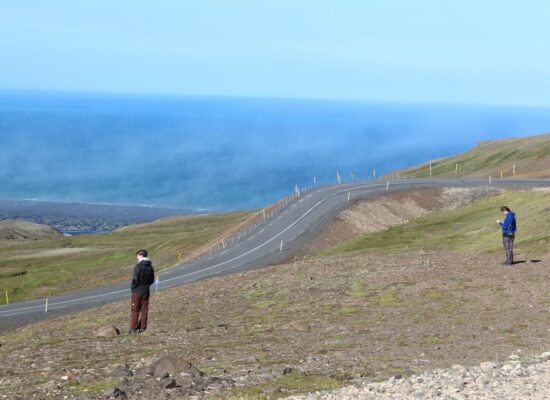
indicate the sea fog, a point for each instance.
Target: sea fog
{"x":221,"y":154}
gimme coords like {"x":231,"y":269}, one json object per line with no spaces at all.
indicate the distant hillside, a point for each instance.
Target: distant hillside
{"x":530,"y":155}
{"x":70,"y":217}
{"x":23,"y":230}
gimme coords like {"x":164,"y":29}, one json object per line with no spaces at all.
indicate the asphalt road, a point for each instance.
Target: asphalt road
{"x":272,"y":241}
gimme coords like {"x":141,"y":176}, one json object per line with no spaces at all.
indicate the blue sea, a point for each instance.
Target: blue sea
{"x":219,"y":154}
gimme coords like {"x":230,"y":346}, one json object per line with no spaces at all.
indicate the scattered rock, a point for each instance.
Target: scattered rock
{"x":115,"y":393}
{"x":489,"y":380}
{"x":271,"y":390}
{"x":120,"y":370}
{"x":172,"y":365}
{"x":108,"y":331}
{"x":169,"y":383}
{"x":287,"y":370}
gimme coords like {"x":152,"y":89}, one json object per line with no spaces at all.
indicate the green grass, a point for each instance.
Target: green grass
{"x":293,"y":383}
{"x":471,"y":228}
{"x":27,"y":272}
{"x":530,"y":154}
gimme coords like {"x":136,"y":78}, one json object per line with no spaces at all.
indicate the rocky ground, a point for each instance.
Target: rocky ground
{"x":517,"y":378}
{"x":291,"y":329}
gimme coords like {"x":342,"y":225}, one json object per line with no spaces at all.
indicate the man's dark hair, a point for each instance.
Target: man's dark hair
{"x":504,"y":208}
{"x":142,"y":253}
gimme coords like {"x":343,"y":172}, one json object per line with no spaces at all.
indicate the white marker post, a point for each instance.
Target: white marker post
{"x":349,"y":196}
{"x":263,"y":211}
{"x":514,"y":172}
{"x":157,"y":281}
{"x":430,"y":170}
{"x":7,"y":298}
{"x":297,"y":190}
{"x":490,"y":179}
{"x":281,"y":246}
{"x":387,"y":185}
{"x":314,"y":181}
{"x":46,"y":309}
{"x":456,"y":170}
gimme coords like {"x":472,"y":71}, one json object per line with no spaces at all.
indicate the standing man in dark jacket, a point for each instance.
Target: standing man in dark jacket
{"x":144,"y":276}
{"x":508,"y":234}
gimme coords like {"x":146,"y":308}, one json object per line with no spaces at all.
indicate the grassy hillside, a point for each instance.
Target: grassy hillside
{"x":39,"y":268}
{"x":469,"y":229}
{"x":15,"y":229}
{"x":531,"y":155}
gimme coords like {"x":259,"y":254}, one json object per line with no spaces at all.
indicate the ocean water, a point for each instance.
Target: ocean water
{"x":222,"y":154}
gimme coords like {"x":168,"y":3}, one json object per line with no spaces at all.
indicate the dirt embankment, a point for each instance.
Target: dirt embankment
{"x":395,"y":208}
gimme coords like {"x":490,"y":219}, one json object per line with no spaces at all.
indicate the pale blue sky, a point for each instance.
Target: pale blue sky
{"x":431,"y":51}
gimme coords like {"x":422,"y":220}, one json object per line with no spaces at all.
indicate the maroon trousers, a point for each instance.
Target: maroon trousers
{"x":140,"y":308}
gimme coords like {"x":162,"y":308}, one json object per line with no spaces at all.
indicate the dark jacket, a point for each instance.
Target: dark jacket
{"x":144,"y":276}
{"x":509,"y":224}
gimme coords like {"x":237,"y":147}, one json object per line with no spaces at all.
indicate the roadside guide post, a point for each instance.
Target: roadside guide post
{"x":7,"y":298}
{"x":157,"y":281}
{"x":46,"y":309}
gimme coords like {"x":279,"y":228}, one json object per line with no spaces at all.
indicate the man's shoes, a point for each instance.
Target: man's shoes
{"x":132,"y":331}
{"x":140,"y":330}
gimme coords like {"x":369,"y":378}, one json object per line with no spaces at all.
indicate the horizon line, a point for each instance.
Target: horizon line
{"x":173,"y":95}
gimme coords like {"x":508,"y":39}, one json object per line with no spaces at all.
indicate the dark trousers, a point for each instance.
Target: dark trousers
{"x":140,"y":308}
{"x":508,"y":242}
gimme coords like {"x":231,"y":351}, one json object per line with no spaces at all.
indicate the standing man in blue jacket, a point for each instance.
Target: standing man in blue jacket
{"x":144,"y":276}
{"x":508,"y":234}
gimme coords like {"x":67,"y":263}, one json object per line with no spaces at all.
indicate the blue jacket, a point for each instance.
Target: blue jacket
{"x":509,"y":224}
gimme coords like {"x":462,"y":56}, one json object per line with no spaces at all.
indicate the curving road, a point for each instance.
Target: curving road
{"x":270,"y":242}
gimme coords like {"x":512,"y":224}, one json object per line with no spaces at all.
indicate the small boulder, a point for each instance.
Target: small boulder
{"x":288,"y":371}
{"x":169,"y":383}
{"x":271,"y":390}
{"x":115,"y":393}
{"x":172,"y":365}
{"x":108,"y":331}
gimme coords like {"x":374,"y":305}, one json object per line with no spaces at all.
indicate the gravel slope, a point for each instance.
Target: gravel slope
{"x":515,"y":379}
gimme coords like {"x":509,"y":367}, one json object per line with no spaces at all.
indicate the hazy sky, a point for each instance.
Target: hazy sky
{"x":439,"y":51}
